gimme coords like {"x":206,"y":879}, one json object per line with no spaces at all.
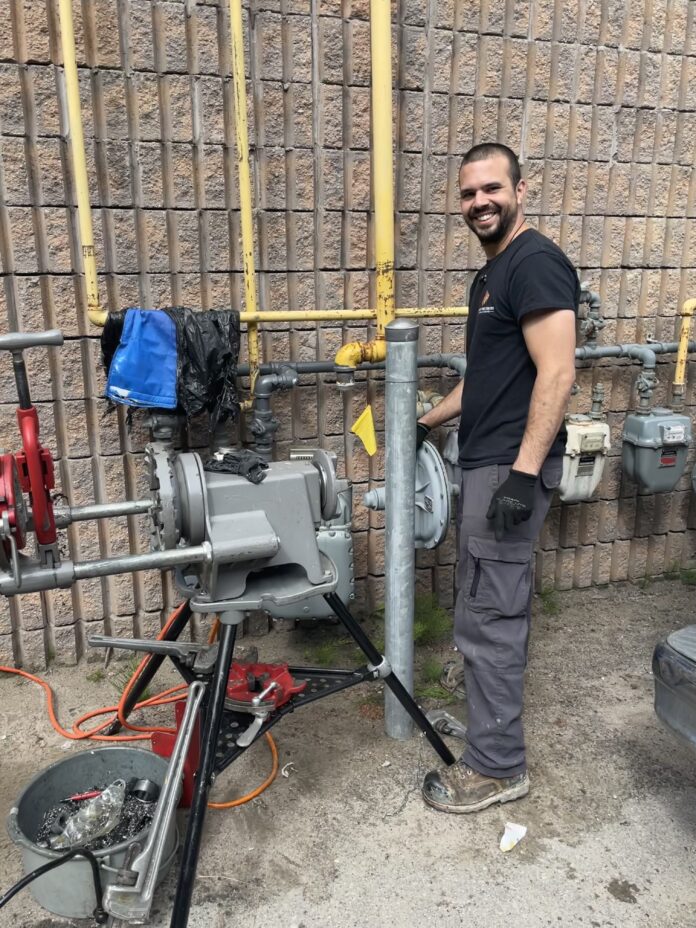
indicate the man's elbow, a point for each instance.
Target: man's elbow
{"x":567,"y":377}
{"x":558,"y":377}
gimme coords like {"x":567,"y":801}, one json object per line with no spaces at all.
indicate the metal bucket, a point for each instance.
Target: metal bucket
{"x":68,"y":890}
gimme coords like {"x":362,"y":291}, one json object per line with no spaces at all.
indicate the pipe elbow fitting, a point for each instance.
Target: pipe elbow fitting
{"x":641,"y":353}
{"x":283,"y":379}
{"x":97,"y":316}
{"x":688,"y":307}
{"x":349,"y":355}
{"x":354,"y":353}
{"x":263,"y":387}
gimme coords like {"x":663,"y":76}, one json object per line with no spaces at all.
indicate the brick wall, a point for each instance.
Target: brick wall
{"x":596,"y":96}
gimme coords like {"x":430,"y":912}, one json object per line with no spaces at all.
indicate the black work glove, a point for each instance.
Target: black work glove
{"x":512,"y":502}
{"x":243,"y":462}
{"x":422,"y":432}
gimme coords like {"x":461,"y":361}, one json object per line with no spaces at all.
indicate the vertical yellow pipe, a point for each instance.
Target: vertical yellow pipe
{"x":688,"y":309}
{"x":242,"y":133}
{"x":382,"y":168}
{"x":95,"y":313}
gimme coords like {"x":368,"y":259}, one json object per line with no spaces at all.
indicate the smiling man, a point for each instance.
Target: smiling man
{"x":520,"y":371}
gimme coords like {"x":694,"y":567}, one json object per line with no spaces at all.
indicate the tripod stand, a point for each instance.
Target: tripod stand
{"x":223,"y":727}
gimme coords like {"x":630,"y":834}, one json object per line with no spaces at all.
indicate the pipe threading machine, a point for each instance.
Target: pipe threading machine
{"x":235,"y":546}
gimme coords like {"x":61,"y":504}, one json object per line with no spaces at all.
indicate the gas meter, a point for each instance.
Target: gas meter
{"x":583,"y":462}
{"x":433,"y":498}
{"x":655,"y":445}
{"x":450,"y":456}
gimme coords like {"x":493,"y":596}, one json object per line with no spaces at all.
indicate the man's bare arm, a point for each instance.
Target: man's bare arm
{"x":550,"y":339}
{"x":447,"y":409}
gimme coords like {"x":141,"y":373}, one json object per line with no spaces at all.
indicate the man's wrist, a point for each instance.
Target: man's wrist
{"x":422,"y":432}
{"x":529,"y":478}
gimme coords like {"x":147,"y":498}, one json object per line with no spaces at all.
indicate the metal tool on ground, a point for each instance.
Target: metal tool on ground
{"x":446,"y":724}
{"x":130,"y":897}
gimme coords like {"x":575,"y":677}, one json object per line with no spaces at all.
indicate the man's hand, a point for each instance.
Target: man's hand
{"x":512,"y":502}
{"x":422,"y":432}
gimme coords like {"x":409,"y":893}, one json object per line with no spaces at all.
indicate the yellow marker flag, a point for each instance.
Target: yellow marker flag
{"x":364,"y":428}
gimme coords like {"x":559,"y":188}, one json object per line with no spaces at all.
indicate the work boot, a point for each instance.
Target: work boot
{"x":462,"y":789}
{"x":452,"y":678}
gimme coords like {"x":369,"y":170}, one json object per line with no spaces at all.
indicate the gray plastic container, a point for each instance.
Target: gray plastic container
{"x":68,"y":890}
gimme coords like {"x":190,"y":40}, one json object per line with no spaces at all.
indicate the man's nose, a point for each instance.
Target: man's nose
{"x":480,"y":199}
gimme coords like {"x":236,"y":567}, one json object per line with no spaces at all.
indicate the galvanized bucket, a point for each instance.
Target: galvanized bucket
{"x":68,"y":890}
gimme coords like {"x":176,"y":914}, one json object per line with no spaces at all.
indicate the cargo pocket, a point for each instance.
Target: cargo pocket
{"x":499,"y":576}
{"x":551,"y":473}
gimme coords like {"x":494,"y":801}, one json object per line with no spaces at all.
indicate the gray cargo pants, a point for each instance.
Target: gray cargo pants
{"x":492,"y":616}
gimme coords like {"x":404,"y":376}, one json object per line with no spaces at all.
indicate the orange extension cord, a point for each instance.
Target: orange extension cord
{"x":171,"y":695}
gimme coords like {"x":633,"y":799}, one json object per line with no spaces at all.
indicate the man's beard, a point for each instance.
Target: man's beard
{"x":506,"y":219}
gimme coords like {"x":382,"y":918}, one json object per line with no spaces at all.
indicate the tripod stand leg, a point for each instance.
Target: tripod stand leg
{"x":151,"y":667}
{"x":209,"y":740}
{"x":392,"y":681}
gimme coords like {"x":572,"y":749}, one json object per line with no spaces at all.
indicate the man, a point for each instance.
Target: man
{"x":520,"y":371}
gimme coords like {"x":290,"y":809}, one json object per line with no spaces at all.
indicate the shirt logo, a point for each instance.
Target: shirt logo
{"x":483,"y":308}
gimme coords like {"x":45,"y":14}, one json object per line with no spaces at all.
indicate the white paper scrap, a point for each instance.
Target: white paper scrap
{"x":512,"y":835}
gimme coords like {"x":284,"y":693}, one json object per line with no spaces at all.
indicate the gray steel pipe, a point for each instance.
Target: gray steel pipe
{"x":401,"y":386}
{"x":590,"y":353}
{"x":152,"y":560}
{"x":455,"y":362}
{"x":646,"y":354}
{"x":134,"y":507}
{"x":263,"y":424}
{"x":35,"y":579}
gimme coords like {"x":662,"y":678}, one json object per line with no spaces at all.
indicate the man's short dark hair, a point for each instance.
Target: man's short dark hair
{"x":488,"y":150}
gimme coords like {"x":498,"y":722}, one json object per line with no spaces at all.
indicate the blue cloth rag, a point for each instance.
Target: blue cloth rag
{"x":143,"y":369}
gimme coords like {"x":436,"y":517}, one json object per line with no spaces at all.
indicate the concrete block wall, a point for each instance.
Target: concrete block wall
{"x":598,"y":99}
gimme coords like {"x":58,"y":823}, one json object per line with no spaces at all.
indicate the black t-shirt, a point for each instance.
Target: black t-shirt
{"x":531,"y":274}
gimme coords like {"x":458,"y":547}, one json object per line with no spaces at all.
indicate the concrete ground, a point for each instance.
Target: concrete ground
{"x":345,"y":840}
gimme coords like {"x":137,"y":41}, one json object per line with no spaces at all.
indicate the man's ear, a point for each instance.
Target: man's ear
{"x":521,"y":191}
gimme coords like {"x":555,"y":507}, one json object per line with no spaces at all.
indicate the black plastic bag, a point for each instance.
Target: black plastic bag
{"x":207,"y":355}
{"x":111,"y":336}
{"x":208,"y":352}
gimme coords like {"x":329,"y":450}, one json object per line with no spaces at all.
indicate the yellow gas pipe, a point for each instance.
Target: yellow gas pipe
{"x":242,"y":134}
{"x":95,"y":313}
{"x":382,"y":171}
{"x":328,"y":315}
{"x":352,"y":354}
{"x":678,"y":386}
